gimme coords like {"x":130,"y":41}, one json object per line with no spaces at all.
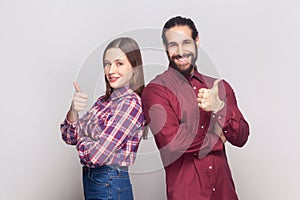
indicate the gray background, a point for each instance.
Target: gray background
{"x":44,"y":45}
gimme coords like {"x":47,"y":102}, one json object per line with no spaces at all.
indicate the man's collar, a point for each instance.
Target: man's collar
{"x":195,"y":74}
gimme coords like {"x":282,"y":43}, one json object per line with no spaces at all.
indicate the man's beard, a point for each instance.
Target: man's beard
{"x":187,"y":71}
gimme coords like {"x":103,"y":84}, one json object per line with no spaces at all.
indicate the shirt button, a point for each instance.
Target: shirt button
{"x":210,"y":167}
{"x":202,"y":127}
{"x":194,"y":88}
{"x":214,"y":189}
{"x":225,"y":131}
{"x":213,"y":116}
{"x":219,"y":117}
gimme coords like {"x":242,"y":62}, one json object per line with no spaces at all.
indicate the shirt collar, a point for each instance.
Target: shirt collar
{"x":195,"y":74}
{"x":120,"y":92}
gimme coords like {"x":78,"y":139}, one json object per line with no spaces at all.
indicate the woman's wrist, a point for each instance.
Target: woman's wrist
{"x":72,"y":115}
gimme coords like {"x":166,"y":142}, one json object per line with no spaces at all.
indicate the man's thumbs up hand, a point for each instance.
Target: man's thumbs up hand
{"x":208,"y":99}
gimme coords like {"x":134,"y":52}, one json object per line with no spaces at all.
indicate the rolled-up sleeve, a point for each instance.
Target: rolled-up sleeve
{"x":124,"y":121}
{"x":69,"y":132}
{"x":230,"y":118}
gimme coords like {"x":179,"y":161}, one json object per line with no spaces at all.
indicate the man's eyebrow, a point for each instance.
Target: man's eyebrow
{"x":188,"y":40}
{"x":172,"y":42}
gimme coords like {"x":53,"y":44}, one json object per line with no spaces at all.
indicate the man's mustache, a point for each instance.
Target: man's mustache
{"x":177,"y":56}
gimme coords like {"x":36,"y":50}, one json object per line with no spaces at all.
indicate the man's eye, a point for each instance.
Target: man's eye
{"x":119,"y":63}
{"x":187,"y":42}
{"x":172,"y":45}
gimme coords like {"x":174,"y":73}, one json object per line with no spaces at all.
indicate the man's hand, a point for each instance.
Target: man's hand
{"x":208,"y":99}
{"x":79,"y":103}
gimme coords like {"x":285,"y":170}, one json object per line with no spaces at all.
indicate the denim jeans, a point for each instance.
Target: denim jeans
{"x":106,"y":183}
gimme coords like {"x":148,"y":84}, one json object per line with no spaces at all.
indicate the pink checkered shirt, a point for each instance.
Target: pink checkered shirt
{"x":110,"y":132}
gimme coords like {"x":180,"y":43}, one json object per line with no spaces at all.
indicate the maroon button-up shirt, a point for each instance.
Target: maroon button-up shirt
{"x":192,"y":153}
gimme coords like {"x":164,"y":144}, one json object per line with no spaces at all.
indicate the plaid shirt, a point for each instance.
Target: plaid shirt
{"x":110,"y":132}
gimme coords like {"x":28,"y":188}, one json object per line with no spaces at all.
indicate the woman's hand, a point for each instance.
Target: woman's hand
{"x":79,"y":103}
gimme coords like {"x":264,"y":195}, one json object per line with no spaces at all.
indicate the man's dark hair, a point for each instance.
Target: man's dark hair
{"x":179,"y":21}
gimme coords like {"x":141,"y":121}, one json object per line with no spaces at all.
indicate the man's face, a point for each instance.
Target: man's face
{"x":181,"y":48}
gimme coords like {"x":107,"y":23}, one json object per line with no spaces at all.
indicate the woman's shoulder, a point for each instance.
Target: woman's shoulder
{"x":133,"y":97}
{"x":100,"y":100}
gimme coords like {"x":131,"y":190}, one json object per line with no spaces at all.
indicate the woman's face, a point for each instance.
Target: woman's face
{"x":118,"y":69}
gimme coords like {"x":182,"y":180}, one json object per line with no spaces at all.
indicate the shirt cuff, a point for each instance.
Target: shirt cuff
{"x":222,"y":117}
{"x":67,"y":122}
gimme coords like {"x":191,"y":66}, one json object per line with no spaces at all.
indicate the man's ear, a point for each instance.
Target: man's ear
{"x":197,"y":40}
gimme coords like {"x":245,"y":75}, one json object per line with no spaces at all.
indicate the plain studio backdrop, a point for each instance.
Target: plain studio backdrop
{"x":46,"y":45}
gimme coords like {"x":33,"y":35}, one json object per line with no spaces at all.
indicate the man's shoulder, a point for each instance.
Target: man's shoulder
{"x":154,"y":85}
{"x":157,"y":86}
{"x":158,"y":80}
{"x":162,"y":77}
{"x":169,"y":78}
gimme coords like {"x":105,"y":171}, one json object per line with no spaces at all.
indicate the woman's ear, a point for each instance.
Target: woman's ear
{"x":133,"y":71}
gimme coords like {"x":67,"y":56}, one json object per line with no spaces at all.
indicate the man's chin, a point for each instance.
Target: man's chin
{"x":184,"y":70}
{"x":183,"y":67}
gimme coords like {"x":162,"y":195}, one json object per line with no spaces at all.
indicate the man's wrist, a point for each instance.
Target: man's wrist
{"x":219,"y":106}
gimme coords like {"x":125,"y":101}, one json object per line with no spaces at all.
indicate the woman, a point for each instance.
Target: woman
{"x":108,"y":135}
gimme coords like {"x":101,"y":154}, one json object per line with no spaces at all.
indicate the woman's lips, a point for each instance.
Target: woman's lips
{"x":113,"y":79}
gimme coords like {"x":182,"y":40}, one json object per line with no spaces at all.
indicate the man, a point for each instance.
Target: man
{"x":191,"y":116}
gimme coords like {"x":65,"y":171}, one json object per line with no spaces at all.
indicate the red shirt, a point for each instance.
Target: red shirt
{"x":193,"y":154}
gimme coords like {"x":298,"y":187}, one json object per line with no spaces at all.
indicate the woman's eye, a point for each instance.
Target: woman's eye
{"x":106,"y":64}
{"x":119,"y":63}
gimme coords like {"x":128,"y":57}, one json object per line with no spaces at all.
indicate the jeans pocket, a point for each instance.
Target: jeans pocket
{"x":125,"y":193}
{"x":95,"y":188}
{"x":99,"y":178}
{"x":122,"y":186}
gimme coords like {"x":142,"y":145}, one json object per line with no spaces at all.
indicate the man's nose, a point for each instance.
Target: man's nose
{"x":180,"y":50}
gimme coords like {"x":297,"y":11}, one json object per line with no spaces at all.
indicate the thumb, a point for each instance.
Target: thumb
{"x":215,"y":86}
{"x":76,"y":86}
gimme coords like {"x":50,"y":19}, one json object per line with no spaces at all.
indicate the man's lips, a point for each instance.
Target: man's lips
{"x":182,"y":59}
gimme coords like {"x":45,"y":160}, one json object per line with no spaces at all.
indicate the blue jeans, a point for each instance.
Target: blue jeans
{"x":106,"y":183}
